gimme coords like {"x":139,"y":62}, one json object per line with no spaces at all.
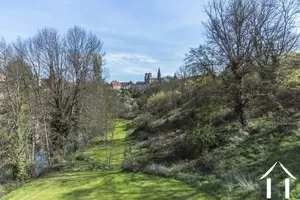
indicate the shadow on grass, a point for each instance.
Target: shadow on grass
{"x":120,"y":185}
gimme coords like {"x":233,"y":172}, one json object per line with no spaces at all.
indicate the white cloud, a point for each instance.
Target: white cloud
{"x":126,"y":58}
{"x":131,"y":63}
{"x":134,"y":70}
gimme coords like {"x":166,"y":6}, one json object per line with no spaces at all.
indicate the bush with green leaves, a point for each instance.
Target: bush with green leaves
{"x":192,"y":179}
{"x":133,"y":163}
{"x":157,"y":170}
{"x":162,"y":102}
{"x":8,"y":187}
{"x":142,"y":120}
{"x":141,"y":101}
{"x":205,"y":138}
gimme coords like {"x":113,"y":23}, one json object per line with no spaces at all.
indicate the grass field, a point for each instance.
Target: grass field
{"x":105,"y":184}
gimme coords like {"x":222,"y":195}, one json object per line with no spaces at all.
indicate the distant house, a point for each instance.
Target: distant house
{"x":156,"y":81}
{"x":116,"y":85}
{"x":140,"y":86}
{"x":127,"y":85}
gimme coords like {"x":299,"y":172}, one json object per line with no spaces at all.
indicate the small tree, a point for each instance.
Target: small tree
{"x":16,"y":112}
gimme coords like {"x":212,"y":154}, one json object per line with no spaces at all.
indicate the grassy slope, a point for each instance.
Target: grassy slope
{"x":246,"y":159}
{"x":251,"y":157}
{"x":108,"y":184}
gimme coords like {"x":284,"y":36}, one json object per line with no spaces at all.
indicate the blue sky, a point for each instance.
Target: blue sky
{"x":138,"y":35}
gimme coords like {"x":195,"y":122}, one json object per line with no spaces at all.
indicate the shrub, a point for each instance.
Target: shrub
{"x":210,"y":161}
{"x":83,"y":162}
{"x":141,"y":101}
{"x":81,"y":157}
{"x":217,"y":114}
{"x":127,"y":115}
{"x":131,"y":164}
{"x":144,"y":144}
{"x":52,"y":169}
{"x":162,"y":102}
{"x":158,"y":170}
{"x":6,"y":173}
{"x":8,"y":187}
{"x":246,"y":183}
{"x":179,"y":167}
{"x":206,"y":138}
{"x":142,"y":120}
{"x":2,"y":190}
{"x":191,"y":179}
{"x":246,"y":186}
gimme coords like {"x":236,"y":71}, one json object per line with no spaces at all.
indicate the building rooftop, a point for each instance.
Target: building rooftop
{"x":141,"y":83}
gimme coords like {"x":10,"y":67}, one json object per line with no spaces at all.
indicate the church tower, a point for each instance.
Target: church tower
{"x":148,"y":78}
{"x":158,"y":74}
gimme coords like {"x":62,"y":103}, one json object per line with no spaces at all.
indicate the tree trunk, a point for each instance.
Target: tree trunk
{"x":240,"y":104}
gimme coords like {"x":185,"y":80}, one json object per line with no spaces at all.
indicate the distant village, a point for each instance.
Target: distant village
{"x":139,"y":86}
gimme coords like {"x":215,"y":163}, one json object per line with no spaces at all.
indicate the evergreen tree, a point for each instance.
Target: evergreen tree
{"x":158,"y":74}
{"x":175,"y":76}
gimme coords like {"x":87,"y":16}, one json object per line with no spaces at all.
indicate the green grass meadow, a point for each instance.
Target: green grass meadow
{"x":110,"y":184}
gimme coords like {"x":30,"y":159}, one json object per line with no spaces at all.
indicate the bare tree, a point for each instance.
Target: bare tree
{"x":47,"y":60}
{"x":84,"y":58}
{"x":16,"y":112}
{"x":53,"y":96}
{"x":99,"y":113}
{"x":201,"y":61}
{"x":245,"y":36}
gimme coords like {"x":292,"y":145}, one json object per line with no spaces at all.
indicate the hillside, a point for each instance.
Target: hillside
{"x":191,"y":135}
{"x":79,"y":183}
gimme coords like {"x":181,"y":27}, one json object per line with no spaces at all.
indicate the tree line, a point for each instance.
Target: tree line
{"x":53,"y":98}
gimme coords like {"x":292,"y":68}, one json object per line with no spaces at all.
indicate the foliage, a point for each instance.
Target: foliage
{"x":142,"y":120}
{"x":205,"y":138}
{"x":157,"y":169}
{"x":192,"y":179}
{"x":236,"y":49}
{"x":130,"y":164}
{"x":234,"y":110}
{"x":53,"y":99}
{"x":107,"y":184}
{"x":162,"y":102}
